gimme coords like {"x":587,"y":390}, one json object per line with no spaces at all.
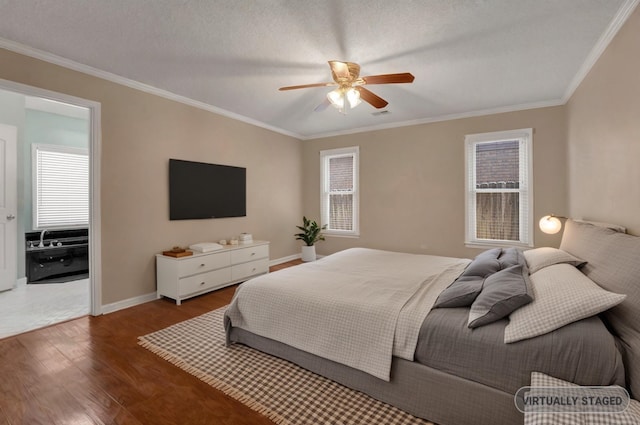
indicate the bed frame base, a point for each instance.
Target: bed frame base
{"x":415,"y":388}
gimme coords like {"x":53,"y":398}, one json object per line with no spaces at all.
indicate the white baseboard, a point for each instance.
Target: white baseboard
{"x":21,"y":281}
{"x":120,"y":305}
{"x":284,"y":259}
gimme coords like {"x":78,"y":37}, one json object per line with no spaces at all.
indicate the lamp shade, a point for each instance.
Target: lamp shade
{"x":336,"y":98}
{"x":353,"y":96}
{"x":550,"y":224}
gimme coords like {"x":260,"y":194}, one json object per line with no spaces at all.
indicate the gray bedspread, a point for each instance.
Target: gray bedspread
{"x":583,"y":352}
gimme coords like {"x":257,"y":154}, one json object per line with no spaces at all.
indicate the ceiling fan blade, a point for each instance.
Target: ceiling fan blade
{"x":305,"y":86}
{"x":339,"y":70}
{"x":321,"y":107}
{"x":371,"y":98}
{"x":405,"y":77}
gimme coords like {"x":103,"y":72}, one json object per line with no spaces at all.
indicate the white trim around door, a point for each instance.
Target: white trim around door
{"x":95,"y":153}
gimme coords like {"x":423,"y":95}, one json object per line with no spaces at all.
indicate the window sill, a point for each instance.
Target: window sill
{"x":341,"y":235}
{"x":497,"y":244}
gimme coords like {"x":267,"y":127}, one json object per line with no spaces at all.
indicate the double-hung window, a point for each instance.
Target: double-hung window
{"x":60,"y":186}
{"x":499,"y":192}
{"x":339,"y":191}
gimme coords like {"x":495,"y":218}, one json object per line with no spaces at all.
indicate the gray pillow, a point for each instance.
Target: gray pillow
{"x":468,"y":285}
{"x":490,"y":254}
{"x":502,"y":293}
{"x":510,"y":257}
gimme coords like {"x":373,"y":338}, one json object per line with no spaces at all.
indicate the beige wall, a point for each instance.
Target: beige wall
{"x":140,"y":132}
{"x":412,"y":178}
{"x":412,"y":181}
{"x":604,"y":135}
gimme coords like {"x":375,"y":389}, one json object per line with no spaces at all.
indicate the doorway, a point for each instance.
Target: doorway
{"x":91,"y":110}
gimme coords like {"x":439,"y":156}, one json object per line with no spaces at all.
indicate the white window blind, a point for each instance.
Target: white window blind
{"x":60,"y":186}
{"x":499,"y":199}
{"x":339,"y":191}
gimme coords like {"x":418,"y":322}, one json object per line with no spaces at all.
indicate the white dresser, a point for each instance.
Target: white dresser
{"x":186,"y":277}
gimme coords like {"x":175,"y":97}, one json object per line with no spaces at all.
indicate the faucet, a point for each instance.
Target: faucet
{"x":42,"y":239}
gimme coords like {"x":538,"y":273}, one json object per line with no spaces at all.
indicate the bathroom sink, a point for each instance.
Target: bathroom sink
{"x":57,"y":243}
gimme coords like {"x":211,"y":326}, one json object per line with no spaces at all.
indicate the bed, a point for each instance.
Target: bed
{"x":435,"y":366}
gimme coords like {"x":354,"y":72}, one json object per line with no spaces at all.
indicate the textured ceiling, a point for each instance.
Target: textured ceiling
{"x":468,"y":56}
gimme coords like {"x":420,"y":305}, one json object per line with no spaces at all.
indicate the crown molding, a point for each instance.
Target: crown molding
{"x":67,"y":63}
{"x":623,"y":14}
{"x":114,"y":78}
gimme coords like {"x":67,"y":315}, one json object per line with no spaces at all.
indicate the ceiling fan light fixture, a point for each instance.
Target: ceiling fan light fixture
{"x":344,"y":98}
{"x":353,"y":97}
{"x":336,"y":98}
{"x":346,"y":75}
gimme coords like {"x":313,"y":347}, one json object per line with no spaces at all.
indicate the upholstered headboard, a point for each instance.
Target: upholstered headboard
{"x":613,"y":262}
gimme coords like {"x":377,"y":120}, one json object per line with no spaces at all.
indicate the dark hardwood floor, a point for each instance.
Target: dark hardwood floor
{"x":92,"y":371}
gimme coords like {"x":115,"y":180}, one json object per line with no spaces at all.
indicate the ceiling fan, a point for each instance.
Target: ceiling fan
{"x":346,"y":75}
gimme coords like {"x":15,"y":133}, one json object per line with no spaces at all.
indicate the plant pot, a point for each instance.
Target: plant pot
{"x":309,"y":253}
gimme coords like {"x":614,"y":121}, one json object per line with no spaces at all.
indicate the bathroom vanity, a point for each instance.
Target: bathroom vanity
{"x":55,"y":256}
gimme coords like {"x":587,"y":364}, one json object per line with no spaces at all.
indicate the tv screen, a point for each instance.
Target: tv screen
{"x":198,"y":190}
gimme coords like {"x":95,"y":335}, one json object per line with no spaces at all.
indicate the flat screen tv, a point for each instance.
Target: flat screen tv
{"x":198,"y":190}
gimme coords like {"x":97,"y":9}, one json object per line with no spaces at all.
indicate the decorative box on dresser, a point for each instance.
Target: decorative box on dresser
{"x":186,"y":277}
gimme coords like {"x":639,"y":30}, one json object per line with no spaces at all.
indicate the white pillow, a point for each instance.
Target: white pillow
{"x":630,"y":416}
{"x":561,"y":295}
{"x":540,"y":258}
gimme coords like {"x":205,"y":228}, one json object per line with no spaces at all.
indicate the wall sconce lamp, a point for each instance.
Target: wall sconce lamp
{"x":551,"y":224}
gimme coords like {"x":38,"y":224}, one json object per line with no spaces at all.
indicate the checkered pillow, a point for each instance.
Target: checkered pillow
{"x":631,"y":416}
{"x":561,"y":295}
{"x":540,"y":258}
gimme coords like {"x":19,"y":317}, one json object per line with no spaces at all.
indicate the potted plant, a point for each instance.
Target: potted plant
{"x":310,"y":233}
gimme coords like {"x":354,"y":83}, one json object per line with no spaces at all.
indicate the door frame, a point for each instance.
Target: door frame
{"x":95,"y":153}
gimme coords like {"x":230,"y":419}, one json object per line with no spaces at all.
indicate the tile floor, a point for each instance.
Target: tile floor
{"x":28,"y":307}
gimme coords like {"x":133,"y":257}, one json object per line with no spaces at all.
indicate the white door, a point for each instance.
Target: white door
{"x":8,"y":207}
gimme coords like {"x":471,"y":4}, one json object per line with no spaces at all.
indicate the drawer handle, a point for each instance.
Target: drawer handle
{"x":253,"y":253}
{"x":201,"y":283}
{"x":202,"y":265}
{"x":254,"y":269}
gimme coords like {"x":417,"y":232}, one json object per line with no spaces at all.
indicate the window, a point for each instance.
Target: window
{"x":499,"y":188}
{"x":339,"y":191}
{"x":60,"y":186}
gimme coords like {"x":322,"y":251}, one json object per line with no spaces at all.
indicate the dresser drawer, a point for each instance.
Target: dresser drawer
{"x":203,"y":281}
{"x":249,"y":254}
{"x":182,"y":278}
{"x":245,"y":270}
{"x":203,"y":263}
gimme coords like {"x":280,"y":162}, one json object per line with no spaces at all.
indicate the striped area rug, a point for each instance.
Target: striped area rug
{"x":284,"y":392}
